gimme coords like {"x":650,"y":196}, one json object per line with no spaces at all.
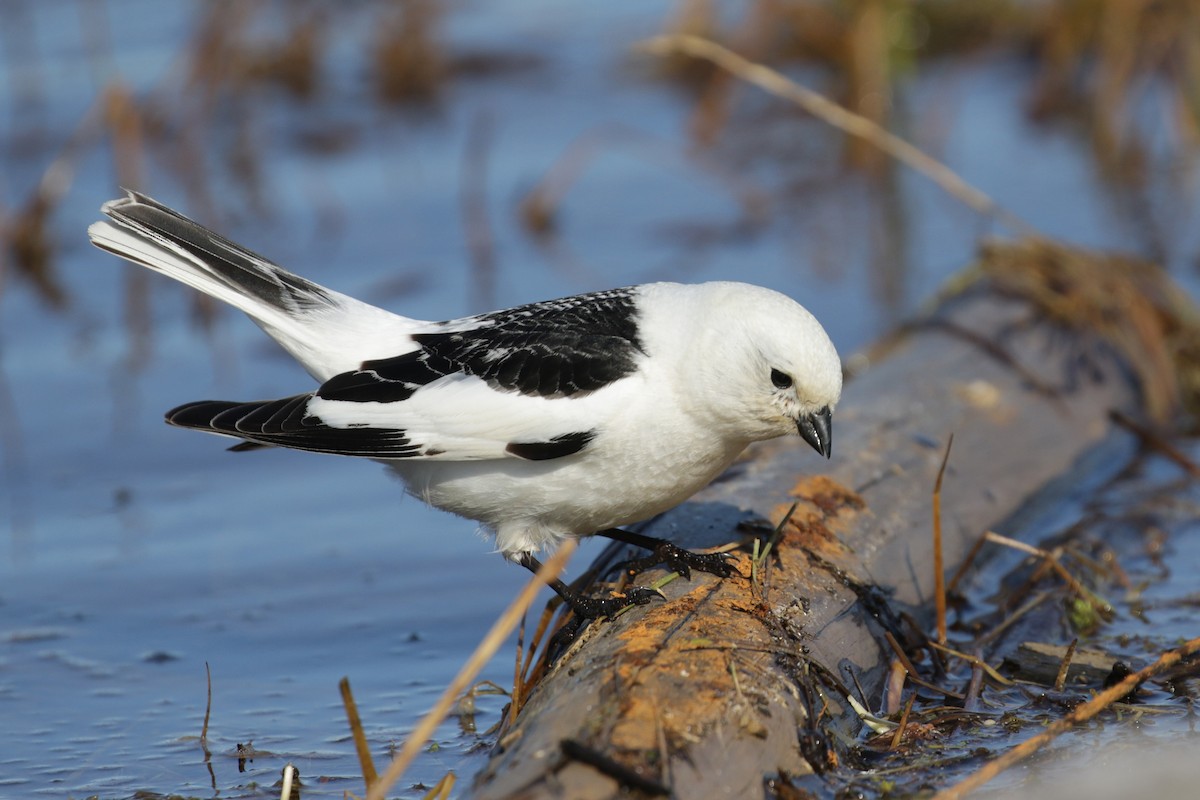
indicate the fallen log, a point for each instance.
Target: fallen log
{"x":728,"y":683}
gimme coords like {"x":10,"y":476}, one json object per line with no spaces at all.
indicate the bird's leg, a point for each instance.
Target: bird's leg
{"x":591,"y":607}
{"x":674,"y":557}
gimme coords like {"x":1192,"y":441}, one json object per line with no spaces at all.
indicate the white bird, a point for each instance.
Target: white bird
{"x":561,"y":418}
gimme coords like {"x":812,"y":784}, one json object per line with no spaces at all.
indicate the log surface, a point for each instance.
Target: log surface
{"x":717,"y":688}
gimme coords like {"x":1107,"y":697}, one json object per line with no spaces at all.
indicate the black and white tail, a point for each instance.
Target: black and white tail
{"x":327,"y":332}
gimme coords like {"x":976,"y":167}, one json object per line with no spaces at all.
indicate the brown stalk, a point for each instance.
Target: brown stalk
{"x":441,"y":790}
{"x":898,"y":736}
{"x":974,"y":661}
{"x":516,"y":697}
{"x":366,"y":764}
{"x":1060,"y":680}
{"x":1052,"y":561}
{"x":1152,"y":440}
{"x":833,"y":114}
{"x":912,"y":671}
{"x":939,"y":567}
{"x":207,"y":704}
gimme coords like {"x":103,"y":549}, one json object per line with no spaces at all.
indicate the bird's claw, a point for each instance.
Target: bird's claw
{"x":593,"y":607}
{"x":677,"y":559}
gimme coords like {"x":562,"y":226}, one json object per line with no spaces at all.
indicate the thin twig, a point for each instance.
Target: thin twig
{"x":1064,"y":667}
{"x":839,"y":117}
{"x":1013,"y":618}
{"x":939,"y":564}
{"x":207,"y":704}
{"x":912,"y":671}
{"x":1052,"y":561}
{"x":531,"y":670}
{"x":1156,"y":442}
{"x":441,"y":790}
{"x":898,"y":736}
{"x":1081,"y":713}
{"x":974,"y":688}
{"x":495,"y":637}
{"x":900,"y":654}
{"x":516,"y":698}
{"x":365,"y":763}
{"x":212,"y":775}
{"x":775,"y":534}
{"x":974,"y":661}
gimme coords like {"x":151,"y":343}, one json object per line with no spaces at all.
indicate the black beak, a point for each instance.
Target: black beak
{"x":817,"y":430}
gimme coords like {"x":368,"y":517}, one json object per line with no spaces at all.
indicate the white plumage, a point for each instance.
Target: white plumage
{"x":555,"y":419}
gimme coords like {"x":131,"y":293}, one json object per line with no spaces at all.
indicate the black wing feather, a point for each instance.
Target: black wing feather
{"x":558,"y":447}
{"x":287,"y":423}
{"x":556,"y":348}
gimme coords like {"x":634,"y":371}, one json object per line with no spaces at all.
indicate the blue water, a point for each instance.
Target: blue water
{"x":132,"y":554}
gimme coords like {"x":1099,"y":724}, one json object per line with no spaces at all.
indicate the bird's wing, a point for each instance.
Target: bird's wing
{"x":534,"y":382}
{"x":556,"y":348}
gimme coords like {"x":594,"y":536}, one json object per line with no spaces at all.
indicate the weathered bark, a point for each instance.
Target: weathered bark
{"x":716,"y":688}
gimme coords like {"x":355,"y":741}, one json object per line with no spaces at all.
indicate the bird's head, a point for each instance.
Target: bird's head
{"x":772,"y":364}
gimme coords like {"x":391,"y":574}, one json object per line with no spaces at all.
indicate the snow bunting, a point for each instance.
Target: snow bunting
{"x":560,"y":418}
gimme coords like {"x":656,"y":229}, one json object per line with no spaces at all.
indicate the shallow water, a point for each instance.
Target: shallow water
{"x":132,"y":555}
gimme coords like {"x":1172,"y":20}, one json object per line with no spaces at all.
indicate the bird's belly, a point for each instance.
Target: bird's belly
{"x":576,"y":495}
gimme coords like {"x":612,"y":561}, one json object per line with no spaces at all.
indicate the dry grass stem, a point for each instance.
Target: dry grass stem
{"x":366,"y":764}
{"x":839,"y":117}
{"x":495,"y":637}
{"x":1013,"y":618}
{"x":442,"y":789}
{"x":531,"y":670}
{"x":900,"y":654}
{"x":759,"y":557}
{"x":517,"y":696}
{"x":913,"y":677}
{"x":1051,"y":560}
{"x":974,"y":661}
{"x":1156,"y":442}
{"x":1082,"y":713}
{"x":939,"y":564}
{"x":207,"y":704}
{"x":898,"y":736}
{"x":1060,"y":680}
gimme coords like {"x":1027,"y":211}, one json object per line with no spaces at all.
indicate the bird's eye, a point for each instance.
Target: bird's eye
{"x":781,"y":379}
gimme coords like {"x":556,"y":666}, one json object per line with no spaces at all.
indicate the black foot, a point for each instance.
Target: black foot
{"x":593,"y":607}
{"x":672,"y":556}
{"x":682,"y":561}
{"x":584,"y":609}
